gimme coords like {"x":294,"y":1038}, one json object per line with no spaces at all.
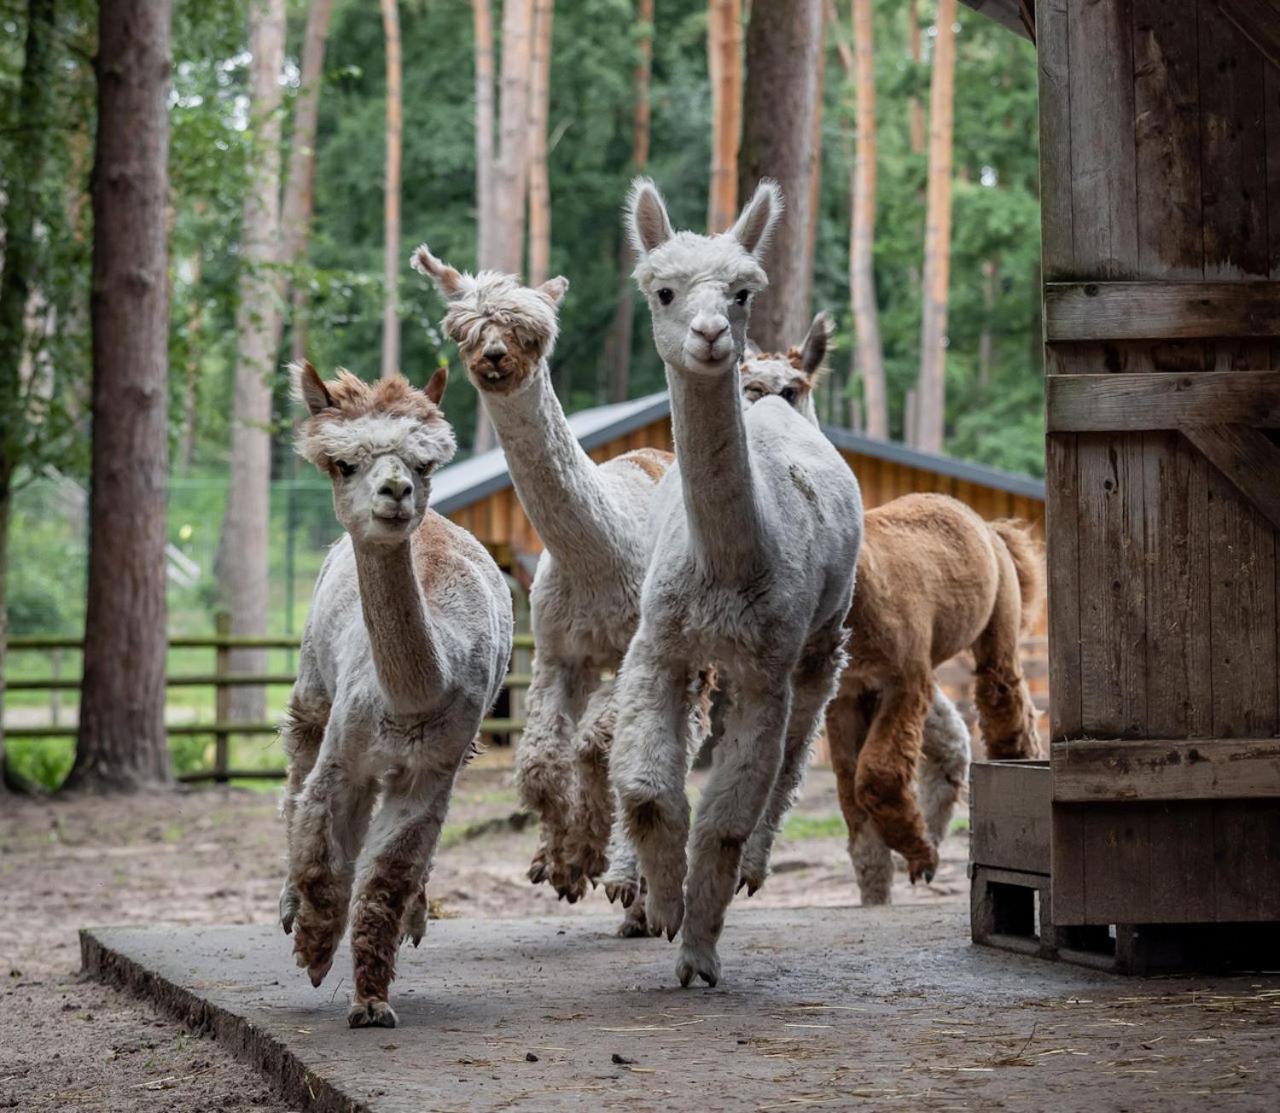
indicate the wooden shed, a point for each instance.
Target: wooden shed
{"x":1160,"y":187}
{"x":477,"y":494}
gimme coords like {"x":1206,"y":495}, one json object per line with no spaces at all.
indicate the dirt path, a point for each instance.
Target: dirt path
{"x":214,"y":857}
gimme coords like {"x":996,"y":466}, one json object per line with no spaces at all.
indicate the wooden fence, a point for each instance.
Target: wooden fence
{"x":221,"y":680}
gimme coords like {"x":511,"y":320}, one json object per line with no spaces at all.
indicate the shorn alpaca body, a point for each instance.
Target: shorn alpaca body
{"x":404,"y":651}
{"x":593,"y":520}
{"x":758,"y":526}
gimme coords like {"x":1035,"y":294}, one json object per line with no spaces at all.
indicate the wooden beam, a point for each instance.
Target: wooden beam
{"x":1017,"y":15}
{"x":1259,"y":22}
{"x":1136,"y":403}
{"x":1160,"y":310}
{"x":1249,"y":460}
{"x":1197,"y":769}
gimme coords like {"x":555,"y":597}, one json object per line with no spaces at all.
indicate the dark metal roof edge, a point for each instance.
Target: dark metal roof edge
{"x":660,"y":407}
{"x":477,"y":491}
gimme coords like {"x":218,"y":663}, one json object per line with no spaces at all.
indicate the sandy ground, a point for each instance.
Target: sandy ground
{"x":214,"y":857}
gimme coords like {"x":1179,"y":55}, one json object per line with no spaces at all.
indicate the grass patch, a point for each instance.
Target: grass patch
{"x":799,"y":827}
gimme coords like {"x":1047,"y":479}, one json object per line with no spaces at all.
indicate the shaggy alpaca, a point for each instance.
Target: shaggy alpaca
{"x":758,"y":525}
{"x":594,"y":523}
{"x":404,"y":651}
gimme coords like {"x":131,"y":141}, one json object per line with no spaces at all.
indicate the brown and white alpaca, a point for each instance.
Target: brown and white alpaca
{"x":933,"y":579}
{"x":404,"y":651}
{"x":593,"y":520}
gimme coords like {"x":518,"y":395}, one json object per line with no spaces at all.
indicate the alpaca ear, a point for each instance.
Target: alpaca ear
{"x":554,"y":289}
{"x":754,"y":227}
{"x":647,"y":222}
{"x":435,"y":388}
{"x":309,"y":388}
{"x":813,"y":353}
{"x":447,"y":280}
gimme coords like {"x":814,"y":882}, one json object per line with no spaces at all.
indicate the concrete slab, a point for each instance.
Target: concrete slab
{"x":826,"y":1007}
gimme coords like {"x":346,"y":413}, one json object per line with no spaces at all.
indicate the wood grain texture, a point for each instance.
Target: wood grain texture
{"x":1052,"y":58}
{"x":1086,"y":771}
{"x":1138,"y":402}
{"x":1162,"y":310}
{"x":1063,"y":547}
{"x":1258,"y":21}
{"x":1248,"y":459}
{"x":1010,"y":805}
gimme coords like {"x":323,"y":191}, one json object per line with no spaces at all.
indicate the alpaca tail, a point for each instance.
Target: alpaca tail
{"x":1028,"y":560}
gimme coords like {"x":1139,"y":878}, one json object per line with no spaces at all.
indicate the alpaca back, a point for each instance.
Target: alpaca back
{"x":1028,"y":561}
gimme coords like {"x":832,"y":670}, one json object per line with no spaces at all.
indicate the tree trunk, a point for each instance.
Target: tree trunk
{"x":724,"y":66}
{"x":784,"y":39}
{"x":618,"y":349}
{"x":539,"y":109}
{"x":815,"y":139}
{"x":868,"y":354}
{"x":242,"y":559}
{"x":482,"y":18}
{"x":986,"y":342}
{"x":121,"y":742}
{"x":295,"y":213}
{"x":391,"y":201}
{"x":931,"y":389}
{"x":191,"y":372}
{"x":914,"y":107}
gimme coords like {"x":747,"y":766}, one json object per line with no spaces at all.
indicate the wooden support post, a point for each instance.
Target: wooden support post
{"x":222,"y":702}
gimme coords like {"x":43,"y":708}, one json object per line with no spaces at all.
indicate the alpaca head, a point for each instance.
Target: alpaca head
{"x":792,"y":376}
{"x":379,"y":443}
{"x":503,"y":330}
{"x":700,"y":287}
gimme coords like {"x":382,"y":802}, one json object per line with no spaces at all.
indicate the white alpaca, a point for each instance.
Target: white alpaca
{"x":758,"y":529}
{"x":593,"y":520}
{"x":943,"y":766}
{"x":405,"y":649}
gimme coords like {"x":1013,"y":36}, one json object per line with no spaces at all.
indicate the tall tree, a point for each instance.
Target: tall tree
{"x":868,"y":353}
{"x":242,"y":556}
{"x":724,"y":66}
{"x":931,"y":386}
{"x":121,"y":742}
{"x":539,"y":180}
{"x":784,"y":39}
{"x":20,"y":269}
{"x":482,"y":23}
{"x":295,"y":211}
{"x":915,"y":109}
{"x":618,"y":349}
{"x":391,"y":200}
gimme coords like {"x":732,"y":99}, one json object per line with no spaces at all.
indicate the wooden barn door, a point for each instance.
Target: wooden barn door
{"x":1160,"y":172}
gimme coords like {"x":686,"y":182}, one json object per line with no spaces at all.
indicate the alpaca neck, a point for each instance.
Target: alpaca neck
{"x":405,"y":653}
{"x":558,"y":484}
{"x":715,"y":471}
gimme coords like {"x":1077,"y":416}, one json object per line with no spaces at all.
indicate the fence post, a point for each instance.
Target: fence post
{"x":222,"y":701}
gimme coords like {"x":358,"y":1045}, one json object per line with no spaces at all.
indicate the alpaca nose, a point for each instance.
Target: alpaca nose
{"x":396,"y":487}
{"x":709,"y":327}
{"x":494,"y":354}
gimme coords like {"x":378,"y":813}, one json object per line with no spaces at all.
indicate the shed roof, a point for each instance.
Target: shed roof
{"x":479,"y":476}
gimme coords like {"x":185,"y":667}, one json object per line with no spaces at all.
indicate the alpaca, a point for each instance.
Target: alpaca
{"x":758,"y":527}
{"x":933,"y":579}
{"x":404,"y":651}
{"x":594,"y":523}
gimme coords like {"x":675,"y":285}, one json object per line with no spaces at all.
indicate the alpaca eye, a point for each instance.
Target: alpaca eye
{"x":742,"y":297}
{"x":344,"y":469}
{"x":665,"y":295}
{"x":788,"y":394}
{"x":425,"y":470}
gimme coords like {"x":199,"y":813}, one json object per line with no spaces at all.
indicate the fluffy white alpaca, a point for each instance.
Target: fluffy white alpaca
{"x":944,"y":755}
{"x":593,"y":520}
{"x":404,"y":651}
{"x":758,"y":529}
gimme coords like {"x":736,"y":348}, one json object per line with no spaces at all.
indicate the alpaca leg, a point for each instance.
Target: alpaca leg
{"x":329,"y":822}
{"x":402,"y":840}
{"x":746,"y":765}
{"x":944,"y":765}
{"x":544,"y":765}
{"x":848,"y":717}
{"x":301,"y":735}
{"x":885,"y":784}
{"x":1006,"y":712}
{"x":815,"y":682}
{"x":647,"y":770}
{"x":587,"y":840}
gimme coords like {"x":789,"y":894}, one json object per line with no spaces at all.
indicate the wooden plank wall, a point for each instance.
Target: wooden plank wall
{"x":1160,"y":164}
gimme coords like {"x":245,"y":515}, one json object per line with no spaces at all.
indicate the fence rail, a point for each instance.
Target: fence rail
{"x":221,"y":680}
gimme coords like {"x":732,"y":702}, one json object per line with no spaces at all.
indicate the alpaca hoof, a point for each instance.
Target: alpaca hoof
{"x":317,"y":971}
{"x":415,"y":919}
{"x":538,"y":868}
{"x":928,"y":877}
{"x":623,"y":889}
{"x":289,"y":902}
{"x":702,"y":961}
{"x":664,"y":912}
{"x":371,"y":1014}
{"x":634,"y":925}
{"x":749,"y":884}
